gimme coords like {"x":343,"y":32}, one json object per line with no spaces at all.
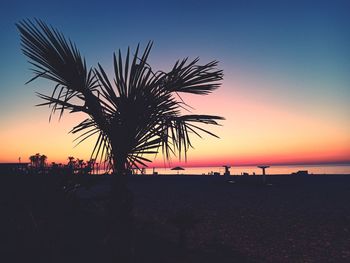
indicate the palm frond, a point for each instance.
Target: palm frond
{"x":192,"y":78}
{"x":177,"y":130}
{"x":52,"y":56}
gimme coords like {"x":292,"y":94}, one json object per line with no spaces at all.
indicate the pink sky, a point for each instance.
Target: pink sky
{"x":259,"y":128}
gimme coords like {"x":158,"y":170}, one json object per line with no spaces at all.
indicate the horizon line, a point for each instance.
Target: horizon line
{"x":344,"y":162}
{"x":259,"y":164}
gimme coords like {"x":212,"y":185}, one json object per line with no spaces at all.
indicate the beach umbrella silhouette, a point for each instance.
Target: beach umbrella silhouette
{"x":177,"y":168}
{"x":263,"y":167}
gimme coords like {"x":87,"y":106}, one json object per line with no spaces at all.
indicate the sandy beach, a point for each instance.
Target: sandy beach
{"x":296,"y":219}
{"x":292,"y":219}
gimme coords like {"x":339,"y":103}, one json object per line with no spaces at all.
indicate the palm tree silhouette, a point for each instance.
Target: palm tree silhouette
{"x":133,"y":116}
{"x":37,"y":160}
{"x":42,"y":160}
{"x":80,"y":165}
{"x":71,"y":159}
{"x":71,"y":164}
{"x":32,"y":160}
{"x":90,"y":165}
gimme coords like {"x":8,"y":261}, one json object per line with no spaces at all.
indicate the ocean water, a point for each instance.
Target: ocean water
{"x":272,"y":170}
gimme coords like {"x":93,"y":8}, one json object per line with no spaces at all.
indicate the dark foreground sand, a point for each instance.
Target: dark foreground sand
{"x":296,"y":219}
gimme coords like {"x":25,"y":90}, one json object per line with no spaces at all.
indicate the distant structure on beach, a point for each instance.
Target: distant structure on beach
{"x":13,"y":168}
{"x":303,"y":172}
{"x":263,"y":167}
{"x":154,"y":171}
{"x":227,"y":170}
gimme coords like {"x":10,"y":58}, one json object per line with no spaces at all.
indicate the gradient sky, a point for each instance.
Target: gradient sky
{"x":286,"y":89}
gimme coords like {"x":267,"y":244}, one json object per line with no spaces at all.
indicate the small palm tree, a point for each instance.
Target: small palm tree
{"x":32,"y":160}
{"x":134,"y":115}
{"x":37,"y":159}
{"x":70,"y":160}
{"x":90,"y":165}
{"x":42,"y":160}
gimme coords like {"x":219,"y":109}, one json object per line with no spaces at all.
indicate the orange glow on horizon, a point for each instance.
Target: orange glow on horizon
{"x":254,"y":132}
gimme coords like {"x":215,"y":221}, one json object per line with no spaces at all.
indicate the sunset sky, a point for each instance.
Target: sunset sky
{"x":285,"y":93}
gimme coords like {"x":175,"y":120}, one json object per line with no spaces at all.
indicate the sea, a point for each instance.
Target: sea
{"x":272,"y":170}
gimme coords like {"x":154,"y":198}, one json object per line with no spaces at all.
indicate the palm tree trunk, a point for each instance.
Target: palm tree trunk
{"x":121,"y":219}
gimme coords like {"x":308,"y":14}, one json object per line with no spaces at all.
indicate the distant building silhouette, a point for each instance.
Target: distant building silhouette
{"x":227,"y":170}
{"x":13,"y":168}
{"x":304,"y":173}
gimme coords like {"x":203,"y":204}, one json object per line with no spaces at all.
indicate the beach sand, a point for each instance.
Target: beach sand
{"x":236,"y":219}
{"x":296,"y":219}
